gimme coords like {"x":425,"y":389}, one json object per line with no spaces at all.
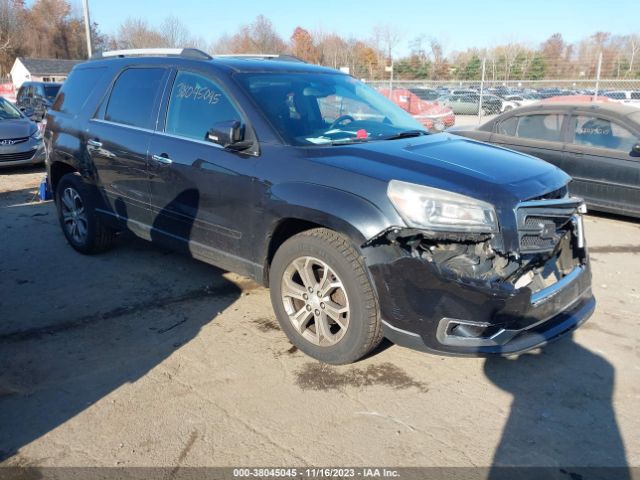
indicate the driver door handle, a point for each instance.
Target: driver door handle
{"x":162,"y":159}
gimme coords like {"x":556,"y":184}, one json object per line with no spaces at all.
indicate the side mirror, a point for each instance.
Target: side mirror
{"x":635,"y":150}
{"x":229,"y":134}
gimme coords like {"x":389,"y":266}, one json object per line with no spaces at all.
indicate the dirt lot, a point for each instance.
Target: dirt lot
{"x":143,"y":357}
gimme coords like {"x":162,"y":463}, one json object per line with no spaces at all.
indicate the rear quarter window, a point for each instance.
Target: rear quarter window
{"x":508,"y":126}
{"x":77,"y":89}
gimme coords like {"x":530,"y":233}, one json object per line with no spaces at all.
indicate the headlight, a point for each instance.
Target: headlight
{"x":37,"y":135}
{"x":435,"y":209}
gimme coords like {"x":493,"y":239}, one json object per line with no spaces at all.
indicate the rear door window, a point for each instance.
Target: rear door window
{"x":601,"y":133}
{"x":197,"y":103}
{"x":134,"y":97}
{"x":546,"y":127}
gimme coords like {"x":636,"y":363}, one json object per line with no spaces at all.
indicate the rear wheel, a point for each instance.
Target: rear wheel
{"x":83,"y":229}
{"x":323,"y":298}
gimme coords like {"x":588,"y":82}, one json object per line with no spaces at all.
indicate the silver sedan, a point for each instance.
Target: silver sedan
{"x":20,"y":138}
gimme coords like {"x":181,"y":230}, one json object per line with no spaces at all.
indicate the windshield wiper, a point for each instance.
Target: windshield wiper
{"x":348,"y":141}
{"x":406,"y":134}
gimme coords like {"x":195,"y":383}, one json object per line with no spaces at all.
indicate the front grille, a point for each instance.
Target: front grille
{"x":12,"y":141}
{"x":542,"y":223}
{"x":16,"y":157}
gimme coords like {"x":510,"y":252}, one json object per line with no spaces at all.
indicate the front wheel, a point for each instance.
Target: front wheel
{"x":323,"y":297}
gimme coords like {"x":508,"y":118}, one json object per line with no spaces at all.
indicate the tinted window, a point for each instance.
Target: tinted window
{"x":133,"y":97}
{"x":602,"y":133}
{"x":50,"y":91}
{"x":616,"y":95}
{"x":77,"y":89}
{"x":197,"y":104}
{"x":635,"y":95}
{"x":508,"y":126}
{"x":540,"y":127}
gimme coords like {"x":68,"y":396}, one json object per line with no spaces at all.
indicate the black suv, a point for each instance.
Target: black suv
{"x":34,"y":98}
{"x":301,"y":177}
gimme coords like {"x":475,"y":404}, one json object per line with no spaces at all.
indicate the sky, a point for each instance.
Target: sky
{"x":459,"y":24}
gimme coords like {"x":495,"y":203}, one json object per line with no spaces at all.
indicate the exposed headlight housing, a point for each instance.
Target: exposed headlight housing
{"x":440,"y":210}
{"x":37,"y":135}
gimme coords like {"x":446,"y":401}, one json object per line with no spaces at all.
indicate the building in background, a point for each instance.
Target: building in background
{"x":40,"y":70}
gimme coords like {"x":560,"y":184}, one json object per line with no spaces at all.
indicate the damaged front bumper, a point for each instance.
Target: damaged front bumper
{"x":459,"y":296}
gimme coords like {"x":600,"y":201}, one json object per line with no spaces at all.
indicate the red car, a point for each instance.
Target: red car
{"x":432,"y":115}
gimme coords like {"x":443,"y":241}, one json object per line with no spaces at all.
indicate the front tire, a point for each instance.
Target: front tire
{"x":323,"y":297}
{"x":83,"y":229}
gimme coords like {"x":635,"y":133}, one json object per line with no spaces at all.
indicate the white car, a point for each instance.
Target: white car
{"x":628,"y":97}
{"x":523,"y":100}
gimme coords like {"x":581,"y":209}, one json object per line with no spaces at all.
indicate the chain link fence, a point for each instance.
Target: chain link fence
{"x":474,"y":101}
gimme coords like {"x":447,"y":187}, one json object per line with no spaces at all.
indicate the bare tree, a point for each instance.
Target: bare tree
{"x":387,"y":39}
{"x":632,"y":46}
{"x":136,"y":33}
{"x":175,"y":34}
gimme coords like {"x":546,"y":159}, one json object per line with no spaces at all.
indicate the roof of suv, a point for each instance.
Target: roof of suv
{"x":230,"y":63}
{"x":250,"y":64}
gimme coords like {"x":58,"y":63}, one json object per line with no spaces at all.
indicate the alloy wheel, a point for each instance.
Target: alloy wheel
{"x":316,"y":301}
{"x":74,"y":216}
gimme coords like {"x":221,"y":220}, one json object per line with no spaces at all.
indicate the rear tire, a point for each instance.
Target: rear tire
{"x":83,"y":229}
{"x":323,"y":297}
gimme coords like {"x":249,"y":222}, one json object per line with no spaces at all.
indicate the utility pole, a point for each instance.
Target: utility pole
{"x":595,"y":97}
{"x":484,"y":64}
{"x":87,"y":26}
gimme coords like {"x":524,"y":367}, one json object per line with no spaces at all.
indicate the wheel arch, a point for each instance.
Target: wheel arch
{"x":57,"y":170}
{"x":301,"y":207}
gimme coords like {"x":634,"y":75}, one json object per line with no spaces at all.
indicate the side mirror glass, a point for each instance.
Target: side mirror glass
{"x":229,"y":134}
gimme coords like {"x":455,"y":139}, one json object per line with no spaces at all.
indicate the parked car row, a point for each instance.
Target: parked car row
{"x":435,"y":117}
{"x":510,"y":97}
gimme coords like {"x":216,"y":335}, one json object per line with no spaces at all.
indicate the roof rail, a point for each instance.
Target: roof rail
{"x":262,"y":56}
{"x":156,"y":52}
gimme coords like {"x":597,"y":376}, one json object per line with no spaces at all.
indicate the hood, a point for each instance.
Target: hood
{"x":494,"y":174}
{"x":18,"y":128}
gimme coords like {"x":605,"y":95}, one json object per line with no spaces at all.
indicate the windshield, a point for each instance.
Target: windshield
{"x":50,"y":91}
{"x":8,"y":111}
{"x":325,"y":108}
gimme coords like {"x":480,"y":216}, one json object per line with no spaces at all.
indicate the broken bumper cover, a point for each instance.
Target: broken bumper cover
{"x":427,"y":309}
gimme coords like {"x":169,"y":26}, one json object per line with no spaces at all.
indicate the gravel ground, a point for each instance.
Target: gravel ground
{"x":142,"y":357}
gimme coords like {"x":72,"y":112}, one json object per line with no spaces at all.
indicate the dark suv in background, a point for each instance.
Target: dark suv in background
{"x":35,"y":98}
{"x":307,"y":180}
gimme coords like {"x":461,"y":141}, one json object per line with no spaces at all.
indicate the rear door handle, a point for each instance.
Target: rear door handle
{"x":162,"y":159}
{"x":94,"y":143}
